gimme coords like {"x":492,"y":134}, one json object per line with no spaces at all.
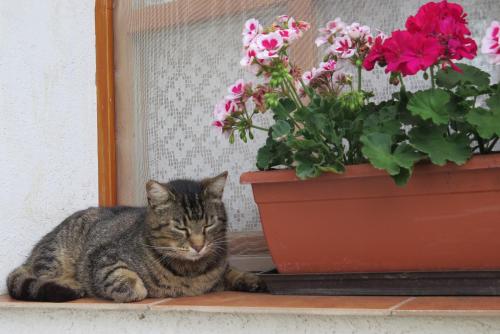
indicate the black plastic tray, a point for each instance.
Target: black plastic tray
{"x":457,"y":283}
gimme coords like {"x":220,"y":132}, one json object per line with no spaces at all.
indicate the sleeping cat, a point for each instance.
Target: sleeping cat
{"x":176,"y":246}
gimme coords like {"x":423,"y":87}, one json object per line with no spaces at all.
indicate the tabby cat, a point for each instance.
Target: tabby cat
{"x":176,"y":246}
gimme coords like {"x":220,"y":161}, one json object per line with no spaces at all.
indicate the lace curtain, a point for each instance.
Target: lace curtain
{"x":174,"y":60}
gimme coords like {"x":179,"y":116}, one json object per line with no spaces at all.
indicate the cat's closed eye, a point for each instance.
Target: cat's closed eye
{"x":208,"y":226}
{"x":180,"y":228}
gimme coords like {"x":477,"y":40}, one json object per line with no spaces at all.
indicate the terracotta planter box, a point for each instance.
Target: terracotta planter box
{"x":446,"y":218}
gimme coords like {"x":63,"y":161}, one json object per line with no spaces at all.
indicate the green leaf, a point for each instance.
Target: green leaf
{"x":302,"y":144}
{"x":430,"y":104}
{"x":264,"y":157}
{"x":288,"y":104}
{"x":272,"y":154}
{"x":307,"y":164}
{"x":282,"y":108}
{"x":383,"y":121}
{"x":486,"y":123}
{"x":280,"y":129}
{"x":402,"y":178}
{"x":377,"y":148}
{"x":449,"y":78}
{"x":494,"y":103}
{"x":333,"y":168}
{"x":441,"y":148}
{"x":306,"y":170}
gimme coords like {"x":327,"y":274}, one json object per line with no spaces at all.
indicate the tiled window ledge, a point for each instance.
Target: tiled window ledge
{"x":234,"y":302}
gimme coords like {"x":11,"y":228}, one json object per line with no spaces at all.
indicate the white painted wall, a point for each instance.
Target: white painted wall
{"x":48,"y":135}
{"x":51,"y":321}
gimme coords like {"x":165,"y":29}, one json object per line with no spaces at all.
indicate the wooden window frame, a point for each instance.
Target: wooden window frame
{"x":248,"y":249}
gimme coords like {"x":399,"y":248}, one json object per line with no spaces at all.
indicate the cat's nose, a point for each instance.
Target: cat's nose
{"x":197,"y":242}
{"x":198,"y":247}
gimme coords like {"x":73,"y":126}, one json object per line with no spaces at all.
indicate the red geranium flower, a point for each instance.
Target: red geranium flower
{"x":409,"y":53}
{"x":446,"y":22}
{"x":376,"y":53}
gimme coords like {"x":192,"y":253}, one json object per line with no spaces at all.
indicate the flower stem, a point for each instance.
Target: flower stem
{"x":431,"y":69}
{"x":359,"y":77}
{"x":259,"y":128}
{"x":293,"y":92}
{"x":401,"y":81}
{"x":306,"y":89}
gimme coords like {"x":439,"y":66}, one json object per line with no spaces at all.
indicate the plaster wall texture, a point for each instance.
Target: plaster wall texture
{"x":48,"y":135}
{"x":96,"y":322}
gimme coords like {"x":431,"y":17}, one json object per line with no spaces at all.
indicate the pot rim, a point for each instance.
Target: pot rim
{"x":477,"y":162}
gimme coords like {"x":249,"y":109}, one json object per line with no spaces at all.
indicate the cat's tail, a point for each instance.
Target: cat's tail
{"x":22,"y":285}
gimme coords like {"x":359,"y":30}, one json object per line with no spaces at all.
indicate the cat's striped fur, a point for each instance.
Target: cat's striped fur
{"x":176,"y":246}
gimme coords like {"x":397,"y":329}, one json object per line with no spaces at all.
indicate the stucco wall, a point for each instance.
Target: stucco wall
{"x":124,"y":322}
{"x":48,"y":148}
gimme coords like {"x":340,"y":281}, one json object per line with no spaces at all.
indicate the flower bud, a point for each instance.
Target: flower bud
{"x":352,"y":101}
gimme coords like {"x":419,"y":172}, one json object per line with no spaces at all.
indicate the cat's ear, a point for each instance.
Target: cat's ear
{"x":214,"y":187}
{"x":158,"y":193}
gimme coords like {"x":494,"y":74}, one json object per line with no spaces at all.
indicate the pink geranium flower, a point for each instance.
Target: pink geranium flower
{"x":218,"y":124}
{"x":308,"y":76}
{"x":251,"y":29}
{"x":288,"y":35}
{"x":343,"y":47}
{"x":223,"y":110}
{"x":299,"y":26}
{"x":283,"y":18}
{"x":268,"y":45}
{"x":236,"y":90}
{"x":331,"y":29}
{"x":249,"y":57}
{"x":357,"y":31}
{"x":329,"y":65}
{"x":490,"y":45}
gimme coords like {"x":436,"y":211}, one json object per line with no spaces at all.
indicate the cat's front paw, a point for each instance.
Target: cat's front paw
{"x":130,"y":290}
{"x":250,"y":283}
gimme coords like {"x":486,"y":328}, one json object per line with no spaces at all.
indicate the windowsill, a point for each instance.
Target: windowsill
{"x":234,"y":302}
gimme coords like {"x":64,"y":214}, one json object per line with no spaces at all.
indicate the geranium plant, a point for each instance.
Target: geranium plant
{"x":325,"y":120}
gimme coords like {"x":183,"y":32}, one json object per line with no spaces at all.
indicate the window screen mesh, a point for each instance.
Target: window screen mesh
{"x":174,"y":60}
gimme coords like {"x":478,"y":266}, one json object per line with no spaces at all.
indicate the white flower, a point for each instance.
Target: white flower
{"x":331,"y":29}
{"x":343,"y":47}
{"x":283,"y":18}
{"x":299,"y":26}
{"x":236,"y":90}
{"x":223,"y":109}
{"x":357,"y":31}
{"x":308,"y":76}
{"x":251,"y":29}
{"x":328,"y":66}
{"x":490,"y":45}
{"x":271,"y":42}
{"x":268,"y":45}
{"x":288,"y":35}
{"x":249,"y":56}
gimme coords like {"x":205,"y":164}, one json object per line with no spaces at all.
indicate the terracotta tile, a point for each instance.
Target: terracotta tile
{"x":6,"y":299}
{"x":102,"y":301}
{"x":86,"y":303}
{"x":450,"y":305}
{"x":244,"y":302}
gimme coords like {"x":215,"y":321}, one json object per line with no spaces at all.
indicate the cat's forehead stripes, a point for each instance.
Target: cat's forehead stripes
{"x":193,"y":207}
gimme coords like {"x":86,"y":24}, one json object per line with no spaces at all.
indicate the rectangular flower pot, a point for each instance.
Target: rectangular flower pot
{"x":446,"y":219}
